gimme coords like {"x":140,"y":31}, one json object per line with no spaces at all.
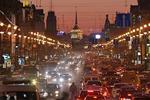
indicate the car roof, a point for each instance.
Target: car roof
{"x":93,"y":81}
{"x":93,"y":87}
{"x":18,"y":88}
{"x":12,"y":81}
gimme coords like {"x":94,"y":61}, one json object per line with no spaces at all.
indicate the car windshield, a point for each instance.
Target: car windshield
{"x":53,"y":86}
{"x":52,"y":73}
{"x":94,"y":78}
{"x":19,"y":96}
{"x":119,"y":85}
{"x":94,"y":83}
{"x":66,"y":76}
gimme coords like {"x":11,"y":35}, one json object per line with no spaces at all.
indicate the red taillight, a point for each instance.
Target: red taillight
{"x":78,"y":98}
{"x":89,"y":91}
{"x":95,"y":97}
{"x":105,"y":94}
{"x":129,"y":94}
{"x":124,"y":99}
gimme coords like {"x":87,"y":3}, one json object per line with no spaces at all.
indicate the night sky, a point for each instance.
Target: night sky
{"x":91,"y":13}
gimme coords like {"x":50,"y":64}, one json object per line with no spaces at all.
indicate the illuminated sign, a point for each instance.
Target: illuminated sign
{"x":97,"y":36}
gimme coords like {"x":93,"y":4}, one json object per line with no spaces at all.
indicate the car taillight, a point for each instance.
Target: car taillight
{"x":90,"y":91}
{"x":78,"y":98}
{"x":129,"y":94}
{"x":95,"y":97}
{"x":105,"y":94}
{"x":125,"y":99}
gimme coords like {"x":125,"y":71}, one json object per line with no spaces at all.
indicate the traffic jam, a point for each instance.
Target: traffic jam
{"x":77,"y":77}
{"x":105,"y":78}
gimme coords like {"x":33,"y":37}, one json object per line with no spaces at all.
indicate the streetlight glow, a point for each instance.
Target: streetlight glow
{"x":1,"y":24}
{"x":9,"y":33}
{"x":145,"y":26}
{"x":1,"y":32}
{"x":9,"y":25}
{"x":15,"y":27}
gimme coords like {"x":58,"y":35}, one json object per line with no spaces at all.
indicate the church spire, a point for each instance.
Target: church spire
{"x":107,"y":23}
{"x":76,"y":21}
{"x":76,"y":18}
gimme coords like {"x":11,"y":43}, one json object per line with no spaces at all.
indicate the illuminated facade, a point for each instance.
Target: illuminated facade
{"x":76,"y":35}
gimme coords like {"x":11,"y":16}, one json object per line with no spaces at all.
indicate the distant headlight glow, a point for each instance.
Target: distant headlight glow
{"x":56,"y":92}
{"x":61,"y":79}
{"x":69,"y":79}
{"x":54,"y":80}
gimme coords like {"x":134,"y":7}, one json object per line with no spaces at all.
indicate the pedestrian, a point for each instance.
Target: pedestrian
{"x":73,"y":91}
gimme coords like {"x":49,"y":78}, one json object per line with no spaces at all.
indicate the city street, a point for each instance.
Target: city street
{"x":74,"y":49}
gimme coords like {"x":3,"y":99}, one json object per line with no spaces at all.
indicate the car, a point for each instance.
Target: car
{"x":127,"y":92}
{"x":43,"y":88}
{"x":94,"y":83}
{"x":93,"y":97}
{"x":89,"y":77}
{"x":147,"y":87}
{"x":90,"y":90}
{"x":116,"y":89}
{"x":53,"y":90}
{"x":131,"y":77}
{"x":65,"y":80}
{"x":142,"y":97}
{"x":20,"y":92}
{"x":52,"y":76}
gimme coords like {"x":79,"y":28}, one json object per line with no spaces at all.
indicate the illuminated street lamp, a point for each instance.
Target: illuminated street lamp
{"x":9,"y":33}
{"x":15,"y":27}
{"x":9,"y":25}
{"x":1,"y":24}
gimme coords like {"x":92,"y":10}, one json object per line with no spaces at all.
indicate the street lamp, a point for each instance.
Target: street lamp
{"x":1,"y":24}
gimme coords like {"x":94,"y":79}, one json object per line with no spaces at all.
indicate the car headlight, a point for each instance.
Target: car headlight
{"x":56,"y":92}
{"x":45,"y":94}
{"x":54,"y":80}
{"x":61,"y":79}
{"x":69,"y":79}
{"x":56,"y":95}
{"x":69,"y":84}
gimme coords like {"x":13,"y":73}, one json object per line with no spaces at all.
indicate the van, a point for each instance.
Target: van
{"x":131,"y":77}
{"x":19,"y":92}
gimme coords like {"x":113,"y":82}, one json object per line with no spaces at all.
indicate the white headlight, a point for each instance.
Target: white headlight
{"x":54,"y":80}
{"x":69,"y":79}
{"x":56,"y":92}
{"x":45,"y":94}
{"x":69,"y":84}
{"x":61,"y":79}
{"x":56,"y":95}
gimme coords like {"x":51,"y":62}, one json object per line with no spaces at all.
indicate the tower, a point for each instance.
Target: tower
{"x":76,"y":34}
{"x":51,"y":25}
